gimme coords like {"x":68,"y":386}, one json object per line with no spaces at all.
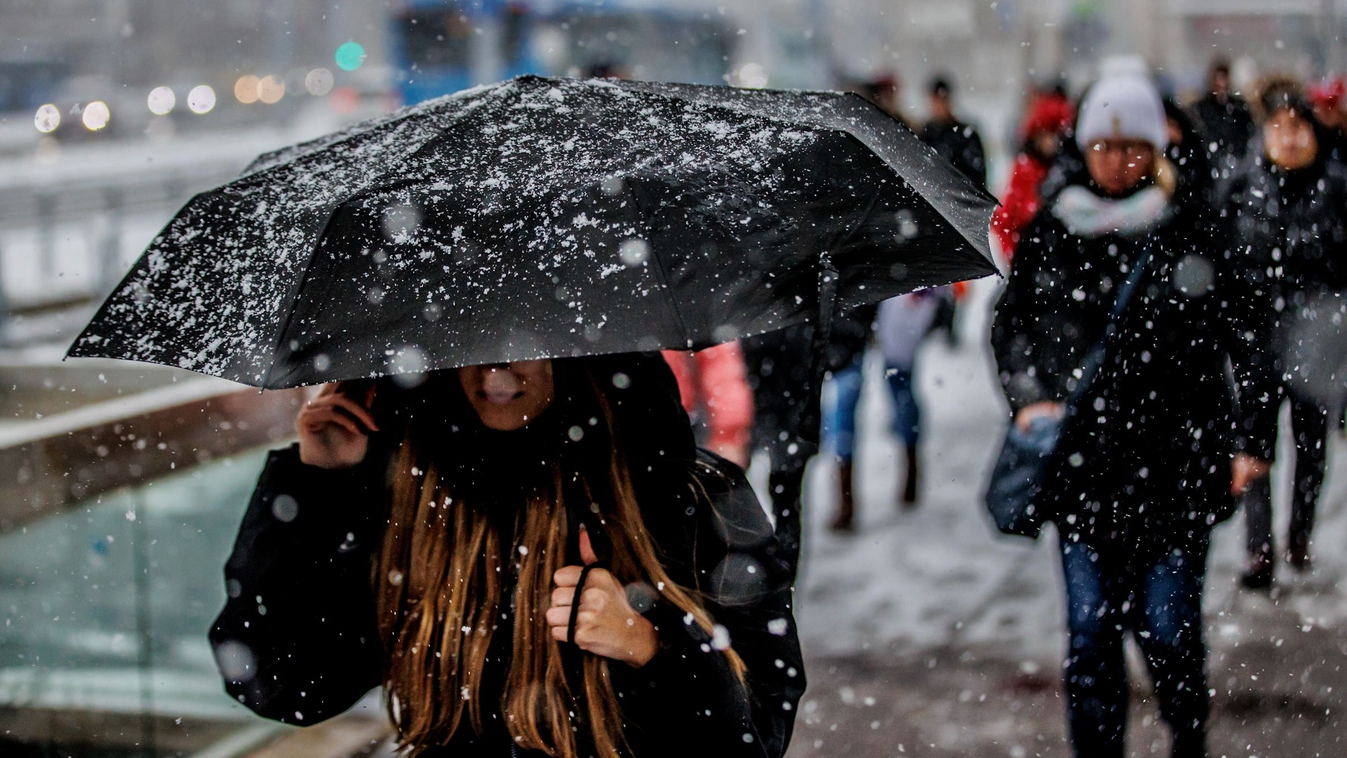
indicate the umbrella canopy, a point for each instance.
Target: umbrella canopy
{"x":545,"y":218}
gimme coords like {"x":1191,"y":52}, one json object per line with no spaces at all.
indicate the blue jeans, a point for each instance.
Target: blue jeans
{"x":841,"y":431}
{"x":1156,"y":592}
{"x":906,"y":411}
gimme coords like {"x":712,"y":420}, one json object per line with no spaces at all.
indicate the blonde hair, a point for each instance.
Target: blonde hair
{"x":438,"y":587}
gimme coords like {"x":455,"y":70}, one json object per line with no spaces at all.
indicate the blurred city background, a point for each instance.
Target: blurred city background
{"x":121,"y":486}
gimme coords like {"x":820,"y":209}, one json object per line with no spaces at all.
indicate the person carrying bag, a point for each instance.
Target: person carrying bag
{"x":1112,"y":342}
{"x":1017,"y":479}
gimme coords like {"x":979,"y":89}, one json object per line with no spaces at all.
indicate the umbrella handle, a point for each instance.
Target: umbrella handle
{"x":574,"y":520}
{"x":575,"y":601}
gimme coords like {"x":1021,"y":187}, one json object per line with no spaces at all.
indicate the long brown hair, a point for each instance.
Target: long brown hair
{"x":438,"y":585}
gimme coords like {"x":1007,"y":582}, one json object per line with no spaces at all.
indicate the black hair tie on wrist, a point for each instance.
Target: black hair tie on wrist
{"x":575,"y":601}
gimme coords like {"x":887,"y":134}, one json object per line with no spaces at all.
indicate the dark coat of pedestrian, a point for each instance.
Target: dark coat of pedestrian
{"x":434,"y":543}
{"x":1188,"y":153}
{"x":955,"y":141}
{"x":779,"y":366}
{"x":1289,"y":213}
{"x":1143,"y":469}
{"x":1225,"y":118}
{"x":1164,"y":421}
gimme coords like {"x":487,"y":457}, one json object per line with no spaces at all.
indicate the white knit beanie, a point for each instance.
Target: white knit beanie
{"x":1123,"y":104}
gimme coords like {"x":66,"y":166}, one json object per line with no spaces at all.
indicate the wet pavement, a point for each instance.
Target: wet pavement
{"x":927,"y":634}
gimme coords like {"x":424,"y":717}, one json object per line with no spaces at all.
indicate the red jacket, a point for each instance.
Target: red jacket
{"x":1047,"y":114}
{"x":1021,"y":203}
{"x":715,"y":381}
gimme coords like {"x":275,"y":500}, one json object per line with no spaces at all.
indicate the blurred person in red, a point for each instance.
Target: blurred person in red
{"x":1326,"y":97}
{"x":713,"y":385}
{"x":1047,"y":118}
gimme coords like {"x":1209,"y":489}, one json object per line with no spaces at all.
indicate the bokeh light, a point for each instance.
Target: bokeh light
{"x":201,"y":99}
{"x":318,"y":82}
{"x":161,"y":101}
{"x":48,"y":117}
{"x":271,"y":89}
{"x":245,"y":89}
{"x":344,"y":100}
{"x":96,"y":115}
{"x":350,"y":56}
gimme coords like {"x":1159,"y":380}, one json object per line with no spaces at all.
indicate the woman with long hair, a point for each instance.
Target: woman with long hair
{"x":530,"y":558}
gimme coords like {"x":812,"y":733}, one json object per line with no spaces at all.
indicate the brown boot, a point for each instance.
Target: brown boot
{"x":846,"y":504}
{"x":912,"y":481}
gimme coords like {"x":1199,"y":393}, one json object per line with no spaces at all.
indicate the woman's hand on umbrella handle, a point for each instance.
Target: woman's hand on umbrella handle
{"x":1244,"y":471}
{"x":1030,"y":413}
{"x":334,"y":429}
{"x":606,"y":624}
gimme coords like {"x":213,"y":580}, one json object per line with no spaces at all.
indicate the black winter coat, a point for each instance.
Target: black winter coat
{"x":1227,"y":122}
{"x":1148,"y":450}
{"x":1290,"y":249}
{"x":1290,"y":231}
{"x":852,"y":333}
{"x":779,"y":372}
{"x":297,"y":640}
{"x":960,"y":144}
{"x":779,"y":364}
{"x":1197,"y":184}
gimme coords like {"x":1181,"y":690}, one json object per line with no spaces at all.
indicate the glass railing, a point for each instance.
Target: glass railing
{"x":104,"y":612}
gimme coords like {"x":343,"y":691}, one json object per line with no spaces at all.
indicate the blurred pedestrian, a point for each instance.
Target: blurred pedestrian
{"x":779,"y":374}
{"x":960,"y":144}
{"x":1225,"y":117}
{"x":954,"y":140}
{"x":1144,"y":466}
{"x":530,"y":558}
{"x":886,"y":91}
{"x":714,"y":386}
{"x":900,"y":328}
{"x":1327,"y":98}
{"x":1289,"y":210}
{"x":1048,"y":117}
{"x":851,"y":335}
{"x":1188,"y":154}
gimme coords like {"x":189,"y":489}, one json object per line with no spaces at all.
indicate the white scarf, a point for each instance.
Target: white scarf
{"x":1086,"y":214}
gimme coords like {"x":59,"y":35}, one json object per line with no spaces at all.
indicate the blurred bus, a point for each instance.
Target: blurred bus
{"x":442,"y":46}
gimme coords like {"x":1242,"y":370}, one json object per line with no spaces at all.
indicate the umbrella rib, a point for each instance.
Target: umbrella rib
{"x":294,"y":296}
{"x":925,"y":196}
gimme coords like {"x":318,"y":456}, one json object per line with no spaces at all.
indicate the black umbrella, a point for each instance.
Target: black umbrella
{"x":545,"y":218}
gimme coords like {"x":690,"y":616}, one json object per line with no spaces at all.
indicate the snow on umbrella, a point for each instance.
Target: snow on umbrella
{"x":545,"y":218}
